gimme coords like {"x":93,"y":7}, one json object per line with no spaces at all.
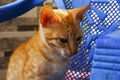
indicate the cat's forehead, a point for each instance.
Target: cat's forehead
{"x":65,"y":17}
{"x":67,"y":20}
{"x":61,"y":12}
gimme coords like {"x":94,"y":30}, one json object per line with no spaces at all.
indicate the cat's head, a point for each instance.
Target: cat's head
{"x":60,"y":29}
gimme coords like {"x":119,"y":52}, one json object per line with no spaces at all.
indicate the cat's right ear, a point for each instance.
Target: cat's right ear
{"x":78,"y":13}
{"x":48,"y":17}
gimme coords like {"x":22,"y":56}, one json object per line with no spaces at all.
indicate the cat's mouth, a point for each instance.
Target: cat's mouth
{"x":66,"y":54}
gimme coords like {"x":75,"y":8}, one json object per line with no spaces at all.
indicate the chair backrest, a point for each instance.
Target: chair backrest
{"x":103,"y":17}
{"x":17,"y":8}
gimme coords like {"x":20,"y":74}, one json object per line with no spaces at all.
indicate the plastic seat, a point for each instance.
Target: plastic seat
{"x":106,"y":60}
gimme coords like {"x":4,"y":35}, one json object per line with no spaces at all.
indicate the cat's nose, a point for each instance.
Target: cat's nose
{"x":73,"y":51}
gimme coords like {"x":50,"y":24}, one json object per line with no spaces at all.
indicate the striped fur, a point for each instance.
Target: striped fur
{"x":46,"y":55}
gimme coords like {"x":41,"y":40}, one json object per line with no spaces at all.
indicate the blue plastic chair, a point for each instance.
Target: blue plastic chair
{"x":102,"y":18}
{"x":17,"y":8}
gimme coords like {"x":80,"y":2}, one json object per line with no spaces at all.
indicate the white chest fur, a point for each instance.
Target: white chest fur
{"x":58,"y":71}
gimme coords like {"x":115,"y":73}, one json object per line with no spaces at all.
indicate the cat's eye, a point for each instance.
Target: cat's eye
{"x":79,"y":38}
{"x":62,"y":40}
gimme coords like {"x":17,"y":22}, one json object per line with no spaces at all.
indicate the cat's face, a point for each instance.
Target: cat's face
{"x":60,"y":29}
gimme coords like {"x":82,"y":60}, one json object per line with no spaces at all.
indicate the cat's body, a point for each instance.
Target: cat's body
{"x":31,"y":63}
{"x":46,"y":55}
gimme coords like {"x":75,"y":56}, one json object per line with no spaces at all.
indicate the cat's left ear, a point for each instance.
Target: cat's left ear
{"x":48,"y":17}
{"x":78,"y":13}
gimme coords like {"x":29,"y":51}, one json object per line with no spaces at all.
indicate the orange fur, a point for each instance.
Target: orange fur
{"x":46,"y":55}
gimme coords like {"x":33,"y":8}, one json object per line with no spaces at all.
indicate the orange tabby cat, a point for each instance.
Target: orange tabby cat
{"x":46,"y":55}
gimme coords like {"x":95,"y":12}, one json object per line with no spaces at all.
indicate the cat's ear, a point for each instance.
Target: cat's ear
{"x":78,"y":13}
{"x":48,"y":17}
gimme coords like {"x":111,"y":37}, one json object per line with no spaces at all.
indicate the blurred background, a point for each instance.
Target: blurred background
{"x":16,"y":31}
